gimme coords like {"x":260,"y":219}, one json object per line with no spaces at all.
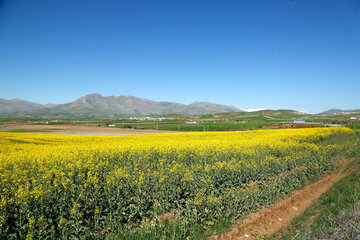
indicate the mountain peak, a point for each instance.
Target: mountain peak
{"x":95,"y":94}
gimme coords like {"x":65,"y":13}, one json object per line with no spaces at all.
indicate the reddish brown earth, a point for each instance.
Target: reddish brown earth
{"x":272,"y":127}
{"x":269,"y":220}
{"x":84,"y":130}
{"x":166,"y":216}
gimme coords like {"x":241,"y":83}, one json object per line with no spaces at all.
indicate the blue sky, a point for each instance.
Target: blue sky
{"x":294,"y":54}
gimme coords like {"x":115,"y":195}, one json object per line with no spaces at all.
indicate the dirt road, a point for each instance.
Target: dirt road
{"x":269,"y":220}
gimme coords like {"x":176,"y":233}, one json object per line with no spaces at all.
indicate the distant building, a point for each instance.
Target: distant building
{"x":299,"y":121}
{"x":111,"y":125}
{"x":151,"y":118}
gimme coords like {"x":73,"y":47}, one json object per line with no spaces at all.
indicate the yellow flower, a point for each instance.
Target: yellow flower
{"x":156,"y":203}
{"x":73,"y":211}
{"x":188,"y":175}
{"x":97,"y":210}
{"x":40,"y":219}
{"x":32,"y":223}
{"x":3,"y":202}
{"x":62,"y":222}
{"x":1,"y":221}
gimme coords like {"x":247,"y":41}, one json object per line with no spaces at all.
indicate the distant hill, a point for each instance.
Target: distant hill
{"x":207,"y":107}
{"x":96,"y":105}
{"x":338,"y":111}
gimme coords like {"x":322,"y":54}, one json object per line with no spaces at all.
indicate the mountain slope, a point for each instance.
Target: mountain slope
{"x":18,"y":105}
{"x":207,"y":107}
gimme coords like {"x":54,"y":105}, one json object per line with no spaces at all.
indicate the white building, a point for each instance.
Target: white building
{"x":298,"y":121}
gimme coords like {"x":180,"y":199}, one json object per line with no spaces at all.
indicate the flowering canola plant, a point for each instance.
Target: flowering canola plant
{"x":65,"y":186}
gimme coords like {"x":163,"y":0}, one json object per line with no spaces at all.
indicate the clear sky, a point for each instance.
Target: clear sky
{"x":294,"y":54}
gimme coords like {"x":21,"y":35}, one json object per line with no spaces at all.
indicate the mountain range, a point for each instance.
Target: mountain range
{"x":98,"y":106}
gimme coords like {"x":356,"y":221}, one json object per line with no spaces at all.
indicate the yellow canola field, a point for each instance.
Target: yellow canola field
{"x":28,"y":159}
{"x":179,"y":169}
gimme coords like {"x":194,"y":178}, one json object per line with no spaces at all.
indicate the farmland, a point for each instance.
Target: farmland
{"x":162,"y":186}
{"x":234,"y":121}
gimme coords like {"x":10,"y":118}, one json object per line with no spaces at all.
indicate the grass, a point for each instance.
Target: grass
{"x":173,"y":230}
{"x":353,"y":126}
{"x":336,"y":215}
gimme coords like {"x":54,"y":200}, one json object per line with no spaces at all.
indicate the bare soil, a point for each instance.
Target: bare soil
{"x":269,"y":220}
{"x":166,"y":216}
{"x":268,"y":116}
{"x":84,"y":130}
{"x":272,"y":127}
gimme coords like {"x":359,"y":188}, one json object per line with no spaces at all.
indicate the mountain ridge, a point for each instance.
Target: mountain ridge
{"x":96,"y":105}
